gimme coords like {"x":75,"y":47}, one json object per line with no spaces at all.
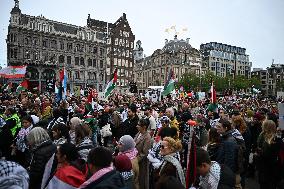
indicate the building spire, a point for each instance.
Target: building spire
{"x":16,"y":3}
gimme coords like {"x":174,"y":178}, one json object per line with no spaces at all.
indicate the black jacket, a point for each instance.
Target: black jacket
{"x":129,"y":127}
{"x":227,"y":178}
{"x":227,"y":151}
{"x":40,"y":157}
{"x":111,"y":180}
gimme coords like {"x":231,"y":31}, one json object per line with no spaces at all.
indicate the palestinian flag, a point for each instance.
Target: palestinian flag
{"x":213,"y":94}
{"x":170,"y":84}
{"x":89,"y":104}
{"x":7,"y":87}
{"x":191,"y":172}
{"x":13,"y":72}
{"x":111,"y":84}
{"x":213,"y":106}
{"x":67,"y":177}
{"x":23,"y":86}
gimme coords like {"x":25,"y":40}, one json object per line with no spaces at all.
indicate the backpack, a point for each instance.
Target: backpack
{"x":240,"y":152}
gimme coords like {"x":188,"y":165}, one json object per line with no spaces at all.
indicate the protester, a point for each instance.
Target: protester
{"x":103,"y":174}
{"x":42,"y":149}
{"x":60,"y":134}
{"x":82,"y":140}
{"x":228,"y":150}
{"x":212,"y":174}
{"x":70,"y":172}
{"x":171,"y":165}
{"x":13,"y":176}
{"x":143,"y":144}
{"x":74,"y":121}
{"x":126,"y":146}
{"x":268,"y":165}
{"x":22,"y":154}
{"x":123,"y":164}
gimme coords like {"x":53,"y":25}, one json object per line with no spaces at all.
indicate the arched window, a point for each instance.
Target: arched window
{"x":61,"y":59}
{"x":82,"y":61}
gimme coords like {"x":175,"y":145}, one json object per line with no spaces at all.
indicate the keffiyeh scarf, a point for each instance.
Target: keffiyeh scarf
{"x":13,"y":176}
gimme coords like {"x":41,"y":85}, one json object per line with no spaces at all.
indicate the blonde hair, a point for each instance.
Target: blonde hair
{"x":173,"y":144}
{"x":268,"y":130}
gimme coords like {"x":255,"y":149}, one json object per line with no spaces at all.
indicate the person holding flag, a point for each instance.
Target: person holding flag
{"x":213,"y":107}
{"x":170,"y":84}
{"x":111,"y":84}
{"x":62,"y":87}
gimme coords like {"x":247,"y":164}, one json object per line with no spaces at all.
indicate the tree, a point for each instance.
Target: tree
{"x":240,"y":82}
{"x":255,"y":82}
{"x":189,"y":81}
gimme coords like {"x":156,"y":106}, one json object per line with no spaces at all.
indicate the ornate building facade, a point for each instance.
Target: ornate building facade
{"x":225,"y":60}
{"x":89,"y":54}
{"x":176,"y":54}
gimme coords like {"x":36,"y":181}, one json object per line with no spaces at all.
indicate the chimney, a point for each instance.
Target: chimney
{"x":166,"y":41}
{"x":187,"y":40}
{"x":124,"y":16}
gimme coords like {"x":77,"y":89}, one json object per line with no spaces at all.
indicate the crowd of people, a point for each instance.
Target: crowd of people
{"x":131,"y":142}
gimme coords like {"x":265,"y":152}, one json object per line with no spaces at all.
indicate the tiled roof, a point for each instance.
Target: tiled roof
{"x":99,"y":23}
{"x":65,"y":28}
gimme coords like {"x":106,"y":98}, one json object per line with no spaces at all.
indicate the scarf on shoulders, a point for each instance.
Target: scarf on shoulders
{"x":171,"y":159}
{"x":131,"y":154}
{"x":96,"y":176}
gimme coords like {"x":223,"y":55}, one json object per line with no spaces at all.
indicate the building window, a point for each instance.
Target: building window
{"x":27,"y":55}
{"x":69,"y":46}
{"x":44,"y":43}
{"x":116,"y":41}
{"x":62,"y":45}
{"x":95,"y":76}
{"x":101,"y":63}
{"x":68,"y":59}
{"x":82,"y":63}
{"x":89,"y":62}
{"x":36,"y":55}
{"x":77,"y":75}
{"x":95,"y":50}
{"x":45,"y":56}
{"x":94,"y":63}
{"x":61,"y":59}
{"x":12,"y":53}
{"x":102,"y":51}
{"x":53,"y":44}
{"x":115,"y":61}
{"x":76,"y":60}
{"x":77,"y":48}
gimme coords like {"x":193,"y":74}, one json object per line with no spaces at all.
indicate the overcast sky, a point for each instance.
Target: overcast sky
{"x":257,"y":25}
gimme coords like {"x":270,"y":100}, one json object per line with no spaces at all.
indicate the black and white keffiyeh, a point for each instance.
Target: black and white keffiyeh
{"x":13,"y":176}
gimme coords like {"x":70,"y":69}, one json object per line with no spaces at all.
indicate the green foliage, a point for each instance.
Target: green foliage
{"x":255,"y":82}
{"x":190,"y":81}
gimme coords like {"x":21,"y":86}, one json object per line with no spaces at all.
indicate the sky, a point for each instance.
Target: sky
{"x":257,"y":25}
